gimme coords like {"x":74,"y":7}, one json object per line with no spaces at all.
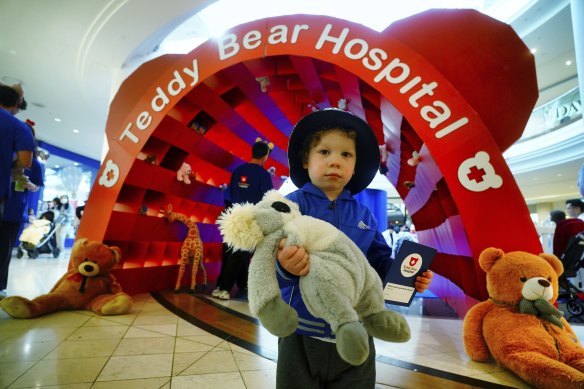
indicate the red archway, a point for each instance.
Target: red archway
{"x":456,"y":86}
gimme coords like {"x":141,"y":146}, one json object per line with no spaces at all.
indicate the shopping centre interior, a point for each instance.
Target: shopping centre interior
{"x":135,"y":89}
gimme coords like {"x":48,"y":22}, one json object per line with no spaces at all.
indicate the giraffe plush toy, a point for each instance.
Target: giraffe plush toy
{"x":191,"y":250}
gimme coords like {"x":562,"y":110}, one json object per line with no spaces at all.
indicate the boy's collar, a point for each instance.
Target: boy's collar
{"x":311,"y":188}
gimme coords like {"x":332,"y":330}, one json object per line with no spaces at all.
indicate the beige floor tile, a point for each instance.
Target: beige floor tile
{"x":189,"y":346}
{"x":138,"y":332}
{"x":208,"y":339}
{"x":486,"y":367}
{"x":449,"y":364}
{"x":136,"y":367}
{"x":220,"y":380}
{"x":5,"y":335}
{"x":62,"y":319}
{"x":213,"y":362}
{"x":24,"y":350}
{"x":42,"y":335}
{"x":246,"y":362}
{"x":151,"y":306}
{"x":86,"y":385}
{"x":411,"y":348}
{"x":145,"y":346}
{"x":147,"y":383}
{"x":184,"y":360}
{"x":87,"y":333}
{"x":10,"y":371}
{"x":260,"y":379}
{"x":8,"y":323}
{"x":151,"y":318}
{"x":55,"y":372}
{"x":84,"y":349}
{"x":508,"y":379}
{"x":184,"y":328}
{"x":163,"y":329}
{"x":240,"y":349}
{"x":106,"y":321}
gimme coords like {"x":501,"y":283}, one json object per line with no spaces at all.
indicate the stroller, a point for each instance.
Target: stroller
{"x":40,"y":237}
{"x":573,"y":297}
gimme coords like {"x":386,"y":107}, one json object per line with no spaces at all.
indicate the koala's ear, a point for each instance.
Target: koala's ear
{"x":273,"y":195}
{"x":554,"y":261}
{"x":239,"y":227}
{"x":488,"y":258}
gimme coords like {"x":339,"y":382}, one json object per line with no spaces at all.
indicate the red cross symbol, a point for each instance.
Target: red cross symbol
{"x":476,"y":174}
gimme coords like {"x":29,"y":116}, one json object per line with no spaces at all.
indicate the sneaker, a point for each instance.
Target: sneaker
{"x":223,"y":295}
{"x":215,"y":293}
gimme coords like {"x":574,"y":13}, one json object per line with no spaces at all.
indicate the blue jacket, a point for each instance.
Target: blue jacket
{"x":248,"y":184}
{"x":357,"y":222}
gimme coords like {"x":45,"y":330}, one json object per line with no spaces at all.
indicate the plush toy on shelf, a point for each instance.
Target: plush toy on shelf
{"x":184,"y":173}
{"x":341,"y":287}
{"x":191,"y":250}
{"x":519,"y":326}
{"x":88,"y":285}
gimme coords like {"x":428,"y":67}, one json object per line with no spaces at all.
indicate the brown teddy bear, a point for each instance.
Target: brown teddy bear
{"x":87,"y":285}
{"x":519,"y":326}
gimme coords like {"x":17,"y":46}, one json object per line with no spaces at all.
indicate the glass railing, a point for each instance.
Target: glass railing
{"x":553,"y":115}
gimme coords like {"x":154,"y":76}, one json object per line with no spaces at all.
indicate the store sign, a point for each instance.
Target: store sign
{"x":402,"y":65}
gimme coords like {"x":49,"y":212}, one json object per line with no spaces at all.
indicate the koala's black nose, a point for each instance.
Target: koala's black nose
{"x":281,"y":207}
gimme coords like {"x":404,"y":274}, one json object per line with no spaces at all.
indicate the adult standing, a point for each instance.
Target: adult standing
{"x":575,"y":208}
{"x":248,"y":184}
{"x":16,"y":212}
{"x":16,"y":149}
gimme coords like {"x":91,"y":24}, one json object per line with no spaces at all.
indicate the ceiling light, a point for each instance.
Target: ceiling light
{"x":76,"y":131}
{"x":533,"y":51}
{"x":568,"y":63}
{"x":75,"y":163}
{"x":57,"y":119}
{"x":57,"y":166}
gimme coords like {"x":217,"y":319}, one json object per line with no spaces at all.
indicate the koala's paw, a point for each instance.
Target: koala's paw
{"x":387,"y":325}
{"x":278,"y":318}
{"x":352,"y":343}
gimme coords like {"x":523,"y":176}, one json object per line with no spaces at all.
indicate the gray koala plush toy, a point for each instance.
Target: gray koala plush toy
{"x":341,"y":287}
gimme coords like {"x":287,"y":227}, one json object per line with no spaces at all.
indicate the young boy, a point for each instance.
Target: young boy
{"x":332,"y":155}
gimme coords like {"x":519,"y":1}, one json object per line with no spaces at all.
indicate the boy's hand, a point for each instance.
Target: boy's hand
{"x":293,"y":259}
{"x":423,"y":281}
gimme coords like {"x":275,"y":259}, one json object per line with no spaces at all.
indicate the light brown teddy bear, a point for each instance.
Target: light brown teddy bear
{"x":87,"y":285}
{"x":519,"y":327}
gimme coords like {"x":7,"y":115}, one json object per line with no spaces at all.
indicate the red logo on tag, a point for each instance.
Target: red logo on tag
{"x":413,"y":261}
{"x":243,"y":179}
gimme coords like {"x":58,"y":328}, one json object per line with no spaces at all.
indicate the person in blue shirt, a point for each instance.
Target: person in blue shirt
{"x":248,"y":184}
{"x":16,"y":149}
{"x":332,"y":155}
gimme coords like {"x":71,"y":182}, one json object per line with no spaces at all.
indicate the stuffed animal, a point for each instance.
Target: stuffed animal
{"x":191,"y":250}
{"x":184,"y":173}
{"x":519,"y":326}
{"x":87,"y":285}
{"x":341,"y":287}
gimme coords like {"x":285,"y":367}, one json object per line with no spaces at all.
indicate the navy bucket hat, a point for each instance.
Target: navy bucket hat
{"x":366,"y":142}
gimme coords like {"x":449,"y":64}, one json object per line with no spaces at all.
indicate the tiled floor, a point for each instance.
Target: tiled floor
{"x":153,"y":348}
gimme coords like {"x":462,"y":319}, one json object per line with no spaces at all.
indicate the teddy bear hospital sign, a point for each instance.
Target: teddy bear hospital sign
{"x":416,"y":72}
